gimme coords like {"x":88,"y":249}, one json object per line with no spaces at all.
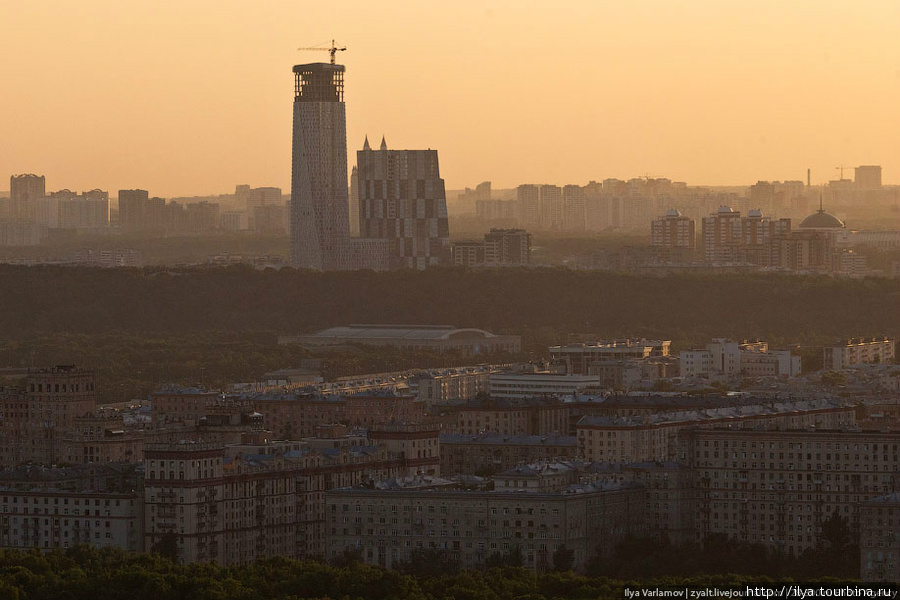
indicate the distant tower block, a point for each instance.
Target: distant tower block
{"x":402,"y":199}
{"x":867,"y":177}
{"x":320,"y":215}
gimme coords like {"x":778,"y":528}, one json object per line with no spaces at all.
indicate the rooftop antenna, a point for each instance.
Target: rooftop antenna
{"x":333,"y":50}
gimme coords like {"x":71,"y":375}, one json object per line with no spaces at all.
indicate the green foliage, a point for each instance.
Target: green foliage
{"x":833,"y":379}
{"x":544,"y":304}
{"x":88,"y":573}
{"x":212,"y":326}
{"x":563,"y":559}
{"x":645,"y":557}
{"x":167,"y":546}
{"x":510,"y":558}
{"x":431,"y":562}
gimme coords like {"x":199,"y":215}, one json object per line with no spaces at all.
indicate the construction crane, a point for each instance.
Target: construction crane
{"x":334,"y":49}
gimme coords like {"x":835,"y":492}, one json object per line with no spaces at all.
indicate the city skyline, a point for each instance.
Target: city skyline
{"x":702,"y":93}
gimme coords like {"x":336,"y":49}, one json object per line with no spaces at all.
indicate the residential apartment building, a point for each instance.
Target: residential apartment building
{"x":451,"y":386}
{"x":490,"y":453}
{"x":656,"y":436}
{"x":24,"y":192}
{"x":777,"y":487}
{"x":235,"y":504}
{"x":858,"y":352}
{"x":508,"y":416}
{"x":216,"y":510}
{"x":89,"y":210}
{"x":578,"y":358}
{"x":61,"y":507}
{"x":388,"y":526}
{"x":185,"y":405}
{"x":501,"y":247}
{"x":754,"y":239}
{"x":673,"y":231}
{"x":38,"y":412}
{"x":292,"y":416}
{"x":879,"y":538}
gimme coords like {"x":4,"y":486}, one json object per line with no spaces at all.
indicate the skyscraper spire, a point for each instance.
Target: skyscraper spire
{"x":383,"y":143}
{"x":366,"y":144}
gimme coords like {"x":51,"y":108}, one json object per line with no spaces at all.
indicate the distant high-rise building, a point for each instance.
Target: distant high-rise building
{"x":573,"y":206}
{"x":133,"y":209}
{"x":551,"y":207}
{"x":469,"y":199}
{"x":867,"y":177}
{"x":528,"y":206}
{"x":320,"y":219}
{"x":24,"y":191}
{"x":89,"y":210}
{"x":138,"y":212}
{"x":241,"y":191}
{"x":263,"y":196}
{"x":754,"y":239}
{"x":673,"y":231}
{"x":722,"y":235}
{"x":402,"y":198}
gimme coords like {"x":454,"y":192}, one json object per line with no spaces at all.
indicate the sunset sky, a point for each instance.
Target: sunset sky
{"x":191,"y":98}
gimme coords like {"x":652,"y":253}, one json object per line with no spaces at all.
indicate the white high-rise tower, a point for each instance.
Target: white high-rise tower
{"x":320,"y":220}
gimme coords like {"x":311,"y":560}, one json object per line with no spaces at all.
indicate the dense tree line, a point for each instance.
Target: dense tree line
{"x":143,"y":327}
{"x":129,"y":365}
{"x":536,"y":302}
{"x":87,"y":573}
{"x":837,"y":555}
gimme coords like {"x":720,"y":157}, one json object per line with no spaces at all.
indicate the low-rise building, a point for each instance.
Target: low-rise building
{"x":578,"y":358}
{"x":501,"y":247}
{"x":450,"y":386}
{"x":540,"y":384}
{"x":729,"y":358}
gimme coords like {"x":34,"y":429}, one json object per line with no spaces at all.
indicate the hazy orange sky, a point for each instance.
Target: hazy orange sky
{"x":191,"y":98}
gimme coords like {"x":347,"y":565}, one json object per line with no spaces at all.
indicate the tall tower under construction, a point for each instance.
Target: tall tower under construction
{"x":320,"y":220}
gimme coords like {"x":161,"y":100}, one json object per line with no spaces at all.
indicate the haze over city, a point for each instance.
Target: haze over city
{"x":188,"y":100}
{"x":632,"y":335}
